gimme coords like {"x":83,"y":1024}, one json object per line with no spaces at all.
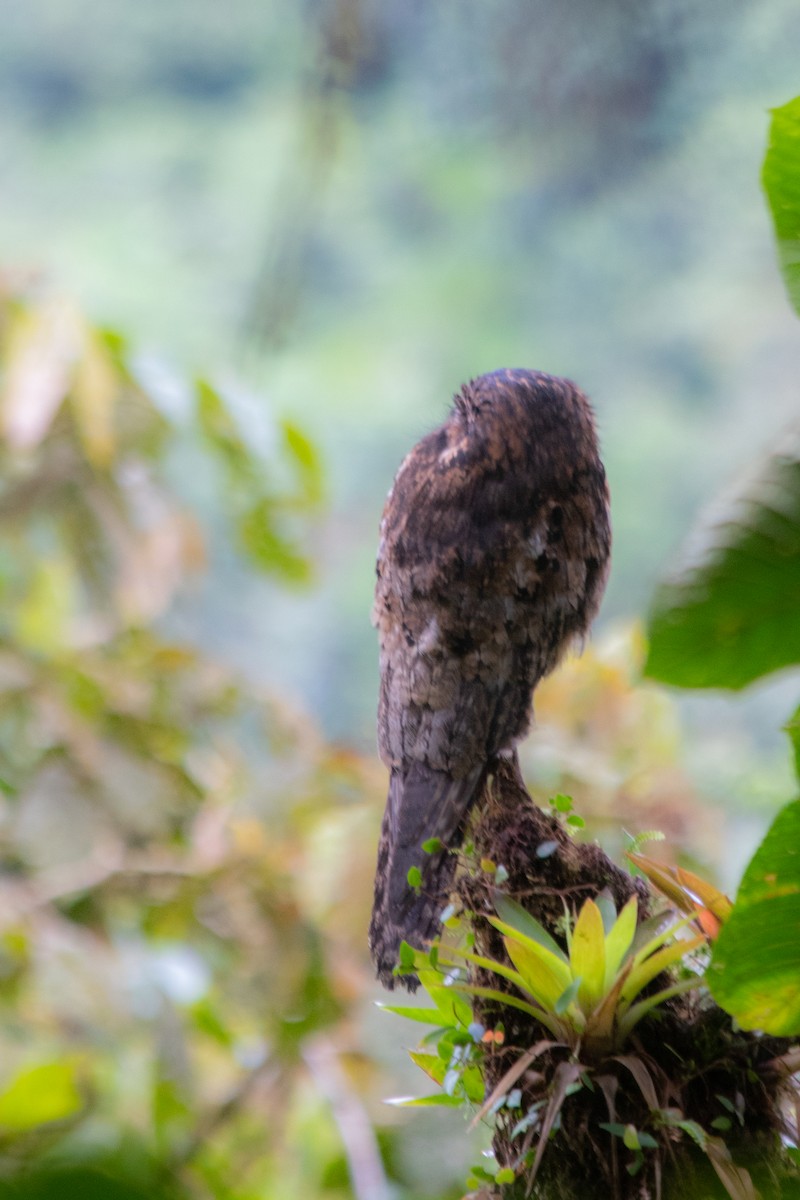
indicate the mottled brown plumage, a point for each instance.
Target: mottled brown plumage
{"x":493,"y":557}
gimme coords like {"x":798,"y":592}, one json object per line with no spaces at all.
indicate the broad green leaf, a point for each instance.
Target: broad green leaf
{"x":38,"y":1095}
{"x":472,"y":1083}
{"x":453,"y":1010}
{"x":619,"y":940}
{"x":426,"y":1016}
{"x":516,"y":919}
{"x":550,"y":1021}
{"x":431,"y":1064}
{"x":409,"y":958}
{"x":695,"y":1132}
{"x":588,"y":955}
{"x":438,"y":1100}
{"x":728,"y":613}
{"x":630,"y":1137}
{"x":452,"y":954}
{"x":781,"y":179}
{"x":755,"y":967}
{"x":546,"y":976}
{"x":774,"y":869}
{"x":792,"y":727}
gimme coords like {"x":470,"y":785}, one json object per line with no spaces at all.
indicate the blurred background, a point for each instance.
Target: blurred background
{"x":247,"y":255}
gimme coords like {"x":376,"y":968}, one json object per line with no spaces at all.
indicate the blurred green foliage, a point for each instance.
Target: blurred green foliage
{"x":169,"y":982}
{"x":756,"y":964}
{"x":185,"y":863}
{"x":728,"y":617}
{"x":728,"y":614}
{"x":365,"y":202}
{"x":781,"y":179}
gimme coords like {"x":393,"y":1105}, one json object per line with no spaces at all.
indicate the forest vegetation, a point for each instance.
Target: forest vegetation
{"x":245,"y":260}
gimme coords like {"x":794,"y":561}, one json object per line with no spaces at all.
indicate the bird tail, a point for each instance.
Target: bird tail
{"x":422,"y":804}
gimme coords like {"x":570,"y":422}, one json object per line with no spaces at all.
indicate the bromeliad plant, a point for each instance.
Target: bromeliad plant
{"x":587,"y":997}
{"x":590,"y":996}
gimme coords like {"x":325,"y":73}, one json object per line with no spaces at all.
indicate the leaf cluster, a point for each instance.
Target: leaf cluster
{"x":169,"y":979}
{"x":727,"y":617}
{"x":584,"y":998}
{"x":589,"y":995}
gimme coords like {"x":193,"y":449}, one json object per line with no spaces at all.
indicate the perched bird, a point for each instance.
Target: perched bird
{"x":493,"y":557}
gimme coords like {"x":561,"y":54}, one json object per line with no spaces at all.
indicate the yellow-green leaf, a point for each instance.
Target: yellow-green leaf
{"x":42,"y":620}
{"x":427,"y":1016}
{"x":546,"y":976}
{"x":452,"y":954}
{"x":524,"y":928}
{"x":644,"y":972}
{"x":549,"y":1020}
{"x":452,"y":1008}
{"x":588,"y":955}
{"x":39,"y":1095}
{"x":619,"y":939}
{"x":431,"y":1064}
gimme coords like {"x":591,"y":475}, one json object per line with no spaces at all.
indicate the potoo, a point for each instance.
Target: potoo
{"x":493,"y":556}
